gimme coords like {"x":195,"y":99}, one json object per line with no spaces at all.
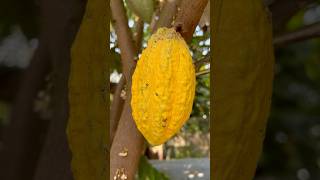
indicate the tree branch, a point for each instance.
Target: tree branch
{"x":116,"y":108}
{"x":126,"y":43}
{"x":301,"y":34}
{"x":118,"y":101}
{"x":167,"y":14}
{"x":139,"y":34}
{"x":283,"y":10}
{"x":207,"y":71}
{"x":202,"y":61}
{"x":127,"y":135}
{"x":128,"y":53}
{"x":188,"y":17}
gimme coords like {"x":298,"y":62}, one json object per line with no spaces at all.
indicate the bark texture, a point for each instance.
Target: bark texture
{"x":188,"y":16}
{"x":116,"y":108}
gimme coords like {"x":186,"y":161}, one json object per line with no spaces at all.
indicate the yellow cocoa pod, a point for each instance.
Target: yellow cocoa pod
{"x":163,"y":86}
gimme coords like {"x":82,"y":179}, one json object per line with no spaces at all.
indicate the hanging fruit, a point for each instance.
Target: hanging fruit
{"x":163,"y":86}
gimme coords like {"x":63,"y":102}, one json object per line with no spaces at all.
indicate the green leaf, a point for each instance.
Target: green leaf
{"x":296,"y":21}
{"x":4,"y":113}
{"x":148,"y":172}
{"x":142,"y":8}
{"x":312,"y":69}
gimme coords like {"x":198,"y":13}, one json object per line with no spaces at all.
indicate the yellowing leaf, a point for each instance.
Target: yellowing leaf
{"x":242,"y":86}
{"x":87,"y":126}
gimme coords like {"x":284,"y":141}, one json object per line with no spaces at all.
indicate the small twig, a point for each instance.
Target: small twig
{"x":202,"y":61}
{"x":207,"y":71}
{"x":301,"y":34}
{"x":283,"y":10}
{"x":138,"y":37}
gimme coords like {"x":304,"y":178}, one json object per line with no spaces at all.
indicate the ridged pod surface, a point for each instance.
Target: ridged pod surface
{"x":163,"y":86}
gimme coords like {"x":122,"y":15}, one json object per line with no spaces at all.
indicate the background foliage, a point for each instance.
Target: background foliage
{"x":292,"y":143}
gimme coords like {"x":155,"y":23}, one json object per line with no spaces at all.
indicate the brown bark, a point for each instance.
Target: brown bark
{"x":113,"y":87}
{"x":126,"y":43}
{"x":139,"y":34}
{"x":116,"y":108}
{"x":118,"y":101}
{"x":128,"y":54}
{"x":62,"y":22}
{"x":167,"y":14}
{"x":127,"y":135}
{"x":188,"y":17}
